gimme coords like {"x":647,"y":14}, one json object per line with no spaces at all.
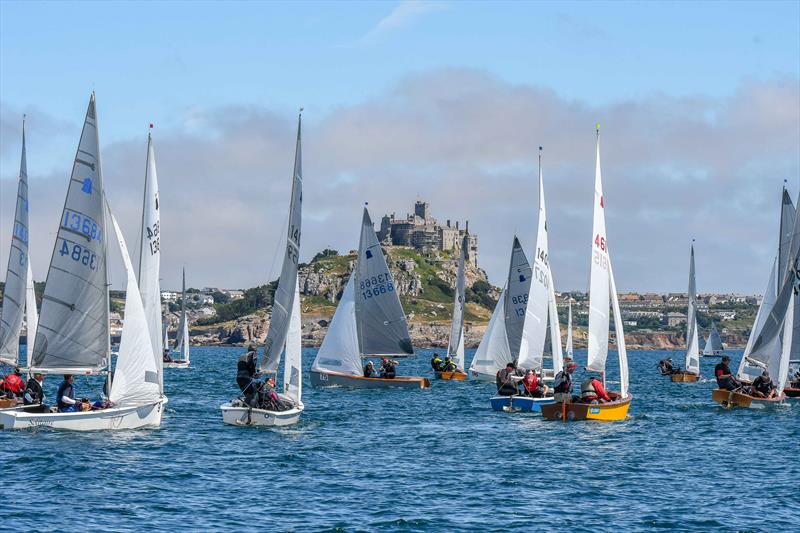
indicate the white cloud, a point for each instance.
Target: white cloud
{"x":402,"y":15}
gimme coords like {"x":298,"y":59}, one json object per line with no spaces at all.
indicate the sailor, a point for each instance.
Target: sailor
{"x":388,"y":370}
{"x":562,"y":385}
{"x":763,"y":387}
{"x":369,"y":370}
{"x":507,"y":380}
{"x":66,"y":395}
{"x":246,"y":373}
{"x":34,"y":392}
{"x":533,"y":386}
{"x":725,"y":379}
{"x":449,"y":364}
{"x":166,"y":357}
{"x":436,"y":363}
{"x":269,"y":398}
{"x":794,"y":382}
{"x":665,"y":366}
{"x":13,"y":385}
{"x":592,"y":391}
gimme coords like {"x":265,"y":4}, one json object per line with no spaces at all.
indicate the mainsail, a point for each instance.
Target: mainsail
{"x":150,"y":251}
{"x":713,"y":343}
{"x":73,"y":331}
{"x":14,"y":294}
{"x":182,"y":335}
{"x":455,"y":345}
{"x":515,"y":304}
{"x":285,"y":293}
{"x":692,"y":340}
{"x":381,"y":322}
{"x":569,"y":349}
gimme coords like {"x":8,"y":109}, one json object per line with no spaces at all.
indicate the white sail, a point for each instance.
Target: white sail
{"x":599,"y":282}
{"x":538,"y":299}
{"x":713,"y":343}
{"x":748,"y":370}
{"x":165,"y":327}
{"x":150,"y":251}
{"x":182,"y":335}
{"x":622,"y":351}
{"x":493,"y":351}
{"x":555,"y":328}
{"x":516,"y":303}
{"x":455,"y":344}
{"x":339,"y":351}
{"x":73,"y":331}
{"x":381,"y":322}
{"x":782,"y":370}
{"x":137,"y":376}
{"x":692,"y":340}
{"x":293,"y":363}
{"x":31,"y":315}
{"x":569,"y":349}
{"x":16,"y":274}
{"x":283,"y":300}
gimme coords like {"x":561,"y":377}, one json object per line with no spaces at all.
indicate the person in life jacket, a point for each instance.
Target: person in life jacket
{"x":725,"y":379}
{"x":592,"y":391}
{"x":13,"y":384}
{"x":388,"y":368}
{"x":763,"y":387}
{"x":65,"y":396}
{"x":436,"y":363}
{"x":665,"y":366}
{"x":245,"y":375}
{"x":34,"y":393}
{"x":369,"y":370}
{"x":449,"y":364}
{"x":166,"y":357}
{"x":562,"y":384}
{"x":507,"y":380}
{"x":269,"y":397}
{"x":533,"y":386}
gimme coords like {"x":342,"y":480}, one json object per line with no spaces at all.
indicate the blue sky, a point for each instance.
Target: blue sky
{"x":189,"y":66}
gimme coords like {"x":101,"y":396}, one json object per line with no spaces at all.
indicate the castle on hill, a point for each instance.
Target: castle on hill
{"x":421,"y":232}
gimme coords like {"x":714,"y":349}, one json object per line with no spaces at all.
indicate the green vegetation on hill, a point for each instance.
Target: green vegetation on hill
{"x":252,"y":300}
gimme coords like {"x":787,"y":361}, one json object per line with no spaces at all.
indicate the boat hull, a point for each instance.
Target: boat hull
{"x":731,"y":399}
{"x":114,"y":418}
{"x":332,"y":379}
{"x":606,"y":412}
{"x":792,"y":392}
{"x":19,"y":407}
{"x":243,"y":416}
{"x":451,"y":376}
{"x":684,"y":377}
{"x":524,"y":404}
{"x":176,"y":364}
{"x":479,"y":376}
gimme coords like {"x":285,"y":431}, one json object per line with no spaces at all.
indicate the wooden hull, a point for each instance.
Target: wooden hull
{"x":176,"y":364}
{"x":730,"y":399}
{"x":792,"y":392}
{"x":332,"y":379}
{"x":684,"y":377}
{"x":452,"y":376}
{"x":607,"y":412}
{"x":524,"y":404}
{"x":114,"y":418}
{"x":243,"y":416}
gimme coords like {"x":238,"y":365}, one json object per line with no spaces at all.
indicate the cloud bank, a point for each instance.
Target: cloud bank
{"x":673,"y":169}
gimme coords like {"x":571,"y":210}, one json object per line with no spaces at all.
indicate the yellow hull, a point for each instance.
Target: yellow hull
{"x":605,"y":412}
{"x":458,"y":376}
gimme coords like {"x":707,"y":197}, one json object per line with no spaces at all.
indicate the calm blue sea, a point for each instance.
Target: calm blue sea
{"x":432,"y":460}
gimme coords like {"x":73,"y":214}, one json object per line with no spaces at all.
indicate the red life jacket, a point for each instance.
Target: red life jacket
{"x":532,"y":384}
{"x":14,"y":383}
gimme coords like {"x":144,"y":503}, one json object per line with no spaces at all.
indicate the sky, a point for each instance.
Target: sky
{"x":448,"y":102}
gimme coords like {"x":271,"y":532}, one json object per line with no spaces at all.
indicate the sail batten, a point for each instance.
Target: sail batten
{"x":73,"y":324}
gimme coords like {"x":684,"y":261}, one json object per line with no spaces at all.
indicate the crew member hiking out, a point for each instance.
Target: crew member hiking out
{"x":245,"y":375}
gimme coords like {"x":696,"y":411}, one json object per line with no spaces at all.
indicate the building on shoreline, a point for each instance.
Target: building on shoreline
{"x":422,"y":232}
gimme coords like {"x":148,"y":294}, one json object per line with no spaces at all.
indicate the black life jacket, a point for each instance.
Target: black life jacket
{"x":563,"y":382}
{"x":246,"y":366}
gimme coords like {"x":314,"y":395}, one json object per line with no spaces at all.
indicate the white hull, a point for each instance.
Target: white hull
{"x":18,"y":407}
{"x":176,"y":364}
{"x":114,"y":418}
{"x":479,"y":376}
{"x":243,"y":416}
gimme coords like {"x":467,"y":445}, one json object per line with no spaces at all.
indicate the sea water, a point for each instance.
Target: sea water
{"x":428,"y":460}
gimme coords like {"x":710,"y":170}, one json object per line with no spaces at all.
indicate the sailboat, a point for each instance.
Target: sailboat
{"x":713,"y":347}
{"x":503,"y":341}
{"x":72,"y":336}
{"x":602,"y":287}
{"x":285,"y":328}
{"x":540,"y":309}
{"x":182,"y":338}
{"x":773,"y":341}
{"x":568,"y":349}
{"x":692,"y":370}
{"x":18,"y":296}
{"x":369,"y":322}
{"x":455,"y":344}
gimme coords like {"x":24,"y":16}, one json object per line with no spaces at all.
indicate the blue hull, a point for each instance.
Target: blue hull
{"x":519,"y":403}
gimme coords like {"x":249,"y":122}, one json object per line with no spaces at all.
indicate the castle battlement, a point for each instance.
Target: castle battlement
{"x":421,"y":232}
